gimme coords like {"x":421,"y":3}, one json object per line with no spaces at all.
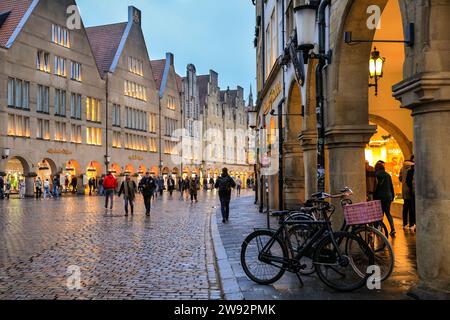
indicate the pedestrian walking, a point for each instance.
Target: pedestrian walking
{"x":128,"y":189}
{"x":56,"y":186}
{"x":211,"y":183}
{"x":147,"y":187}
{"x":170,"y":185}
{"x":205,"y":184}
{"x":193,"y":189}
{"x":66,"y":184}
{"x":2,"y":187}
{"x":38,"y":187}
{"x":384,"y":191}
{"x":238,"y":186}
{"x":371,"y":181}
{"x":91,"y":185}
{"x":22,"y":189}
{"x":74,"y":183}
{"x":161,"y":185}
{"x":407,"y":195}
{"x":47,"y":189}
{"x":110,"y":185}
{"x":224,"y":184}
{"x":410,"y":182}
{"x":101,"y":190}
{"x":7,"y":188}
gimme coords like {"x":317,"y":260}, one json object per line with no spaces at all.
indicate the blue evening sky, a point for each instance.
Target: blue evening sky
{"x":211,"y":34}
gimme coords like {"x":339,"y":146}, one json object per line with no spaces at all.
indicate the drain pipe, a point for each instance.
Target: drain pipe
{"x":320,"y":97}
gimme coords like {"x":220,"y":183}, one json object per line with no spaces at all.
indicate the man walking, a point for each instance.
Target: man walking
{"x":406,"y":195}
{"x":225,"y":183}
{"x":170,"y":185}
{"x":56,"y":186}
{"x":110,"y":185}
{"x":128,"y":189}
{"x":2,"y":186}
{"x":147,"y":187}
{"x":38,"y":186}
{"x":238,"y":186}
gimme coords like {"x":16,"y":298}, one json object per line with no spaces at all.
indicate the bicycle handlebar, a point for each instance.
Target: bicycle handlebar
{"x":346,"y":192}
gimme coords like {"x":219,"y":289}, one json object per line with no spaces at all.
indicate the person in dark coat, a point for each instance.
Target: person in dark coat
{"x":193,"y":189}
{"x":128,"y":189}
{"x":224,"y":184}
{"x":2,"y":186}
{"x":170,"y":185}
{"x":406,"y":194}
{"x":147,"y":187}
{"x":412,"y":194}
{"x":384,"y":191}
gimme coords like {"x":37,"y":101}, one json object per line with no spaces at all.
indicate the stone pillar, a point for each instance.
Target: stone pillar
{"x":294,"y":175}
{"x":309,"y":144}
{"x":429,"y":99}
{"x":346,"y":145}
{"x":29,"y":187}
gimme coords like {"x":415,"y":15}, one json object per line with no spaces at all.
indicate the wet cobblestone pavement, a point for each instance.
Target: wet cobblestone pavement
{"x":244,"y":217}
{"x":167,"y":256}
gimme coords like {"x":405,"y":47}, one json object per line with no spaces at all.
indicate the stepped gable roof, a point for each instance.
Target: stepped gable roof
{"x":105,"y":41}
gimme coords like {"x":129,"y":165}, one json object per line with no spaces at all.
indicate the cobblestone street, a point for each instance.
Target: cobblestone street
{"x":167,"y":256}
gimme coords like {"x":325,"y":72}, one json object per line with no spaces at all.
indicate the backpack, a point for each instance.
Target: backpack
{"x":225,"y":184}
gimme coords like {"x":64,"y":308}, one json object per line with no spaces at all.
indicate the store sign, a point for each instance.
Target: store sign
{"x":136,"y":157}
{"x":272,"y":96}
{"x":59,"y":151}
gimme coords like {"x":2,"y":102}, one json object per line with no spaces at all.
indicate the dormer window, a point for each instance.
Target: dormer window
{"x":60,"y":35}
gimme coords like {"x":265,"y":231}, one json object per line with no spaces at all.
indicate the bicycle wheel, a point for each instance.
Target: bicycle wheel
{"x":381,"y":247}
{"x":381,"y":227}
{"x":342,"y":273}
{"x":299,"y":234}
{"x":263,"y":272}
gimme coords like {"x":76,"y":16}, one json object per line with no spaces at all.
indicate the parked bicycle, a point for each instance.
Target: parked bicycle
{"x":337,"y":257}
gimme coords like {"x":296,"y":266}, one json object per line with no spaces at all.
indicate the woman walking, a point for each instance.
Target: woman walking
{"x":128,"y":189}
{"x":47,"y":189}
{"x":384,"y":191}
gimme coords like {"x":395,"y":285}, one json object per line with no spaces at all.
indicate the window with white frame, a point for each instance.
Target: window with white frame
{"x":75,"y":106}
{"x":94,"y":136}
{"x":18,"y":94}
{"x":152,"y":123}
{"x":18,"y":126}
{"x":43,"y":61}
{"x":60,"y":66}
{"x":60,"y":102}
{"x":171,"y":104}
{"x":60,"y":35}
{"x":170,"y":126}
{"x":43,"y":99}
{"x":60,"y":131}
{"x":136,"y":66}
{"x":136,"y":119}
{"x":43,"y":129}
{"x":93,"y":109}
{"x":135,"y":90}
{"x":116,"y":115}
{"x":117,"y":140}
{"x":75,"y":134}
{"x":75,"y":71}
{"x":153,"y":145}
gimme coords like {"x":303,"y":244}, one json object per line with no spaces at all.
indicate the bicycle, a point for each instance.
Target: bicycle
{"x":337,"y":257}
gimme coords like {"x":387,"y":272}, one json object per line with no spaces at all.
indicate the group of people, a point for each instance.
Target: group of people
{"x":7,"y":186}
{"x":380,"y":187}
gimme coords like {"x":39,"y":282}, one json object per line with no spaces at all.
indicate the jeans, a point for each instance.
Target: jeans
{"x":46,"y":192}
{"x":386,"y":206}
{"x":148,"y":203}
{"x":239,"y":190}
{"x":126,"y":202}
{"x":225,"y":205}
{"x":109,"y":194}
{"x":101,"y":191}
{"x":55,"y":191}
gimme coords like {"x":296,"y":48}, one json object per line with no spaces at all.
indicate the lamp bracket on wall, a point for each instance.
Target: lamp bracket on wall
{"x":409,"y":38}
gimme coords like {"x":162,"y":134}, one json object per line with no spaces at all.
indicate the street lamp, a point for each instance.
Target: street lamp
{"x":305,"y":19}
{"x":5,"y":153}
{"x":376,"y":63}
{"x":252,"y":118}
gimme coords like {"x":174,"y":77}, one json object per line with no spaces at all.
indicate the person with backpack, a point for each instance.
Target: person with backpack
{"x":128,"y":189}
{"x":110,"y":184}
{"x":224,"y":184}
{"x":147,"y":186}
{"x":384,"y":191}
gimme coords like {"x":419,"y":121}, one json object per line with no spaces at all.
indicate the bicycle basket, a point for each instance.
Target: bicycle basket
{"x":363,"y":213}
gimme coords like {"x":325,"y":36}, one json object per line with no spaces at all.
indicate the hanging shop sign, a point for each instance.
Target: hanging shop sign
{"x":274,"y":93}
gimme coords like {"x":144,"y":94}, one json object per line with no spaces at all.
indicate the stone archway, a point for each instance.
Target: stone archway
{"x":294,"y":167}
{"x":405,"y":145}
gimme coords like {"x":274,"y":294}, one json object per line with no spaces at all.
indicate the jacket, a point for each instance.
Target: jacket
{"x":147,"y":186}
{"x":131,"y":194}
{"x":410,"y":182}
{"x":225,"y":183}
{"x":110,"y":182}
{"x":384,"y":190}
{"x":406,"y":193}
